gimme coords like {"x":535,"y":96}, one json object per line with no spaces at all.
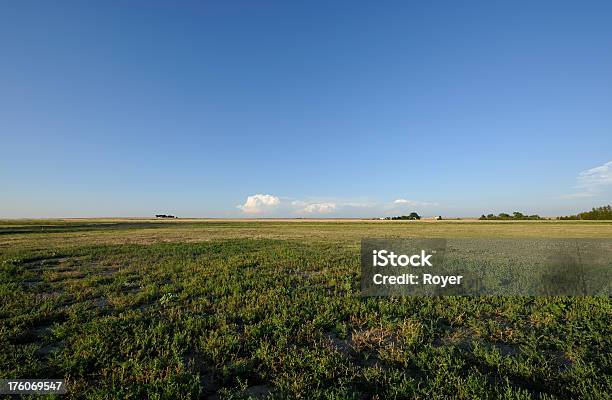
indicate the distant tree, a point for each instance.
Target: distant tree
{"x":597,"y":213}
{"x":164,"y":216}
{"x":504,"y":216}
{"x":414,"y":215}
{"x":601,"y":213}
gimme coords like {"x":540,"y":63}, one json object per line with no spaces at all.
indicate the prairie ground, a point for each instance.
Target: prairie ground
{"x":271,"y":309}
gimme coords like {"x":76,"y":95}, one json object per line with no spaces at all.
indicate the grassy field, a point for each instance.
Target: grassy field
{"x":271,"y":309}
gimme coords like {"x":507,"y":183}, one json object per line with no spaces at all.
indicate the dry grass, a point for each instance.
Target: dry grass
{"x":146,"y":231}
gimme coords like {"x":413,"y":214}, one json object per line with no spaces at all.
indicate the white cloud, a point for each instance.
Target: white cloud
{"x":403,"y":201}
{"x":319,"y":208}
{"x":413,"y":203}
{"x":592,"y":181}
{"x":357,"y":204}
{"x":259,"y":203}
{"x":596,"y":177}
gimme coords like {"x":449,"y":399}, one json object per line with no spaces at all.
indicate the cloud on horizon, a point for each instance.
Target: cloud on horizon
{"x":259,"y":203}
{"x":271,"y":204}
{"x":319,"y":208}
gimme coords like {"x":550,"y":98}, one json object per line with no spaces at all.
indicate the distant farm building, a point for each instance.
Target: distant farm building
{"x":164,"y":216}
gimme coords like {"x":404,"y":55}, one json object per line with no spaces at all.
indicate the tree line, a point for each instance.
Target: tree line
{"x":518,"y":216}
{"x":412,"y":216}
{"x":597,"y":213}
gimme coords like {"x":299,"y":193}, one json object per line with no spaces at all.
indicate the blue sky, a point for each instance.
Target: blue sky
{"x":264,"y":108}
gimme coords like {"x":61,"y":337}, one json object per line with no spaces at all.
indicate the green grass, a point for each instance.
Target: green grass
{"x":130,"y":309}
